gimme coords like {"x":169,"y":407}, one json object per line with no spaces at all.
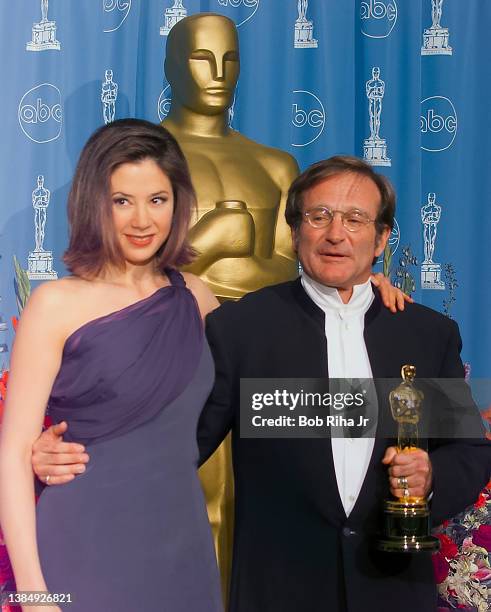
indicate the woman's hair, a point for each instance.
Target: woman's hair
{"x":93,"y":243}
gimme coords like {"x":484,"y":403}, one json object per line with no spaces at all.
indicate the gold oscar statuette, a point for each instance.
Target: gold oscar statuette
{"x":407,"y":518}
{"x":240,"y":233}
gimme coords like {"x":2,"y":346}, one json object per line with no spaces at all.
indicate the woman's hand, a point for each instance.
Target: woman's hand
{"x":392,"y":297}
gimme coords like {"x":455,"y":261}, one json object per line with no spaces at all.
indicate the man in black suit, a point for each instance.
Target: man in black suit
{"x":308,"y":511}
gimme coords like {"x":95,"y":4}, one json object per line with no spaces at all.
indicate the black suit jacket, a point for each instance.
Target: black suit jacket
{"x":294,"y":548}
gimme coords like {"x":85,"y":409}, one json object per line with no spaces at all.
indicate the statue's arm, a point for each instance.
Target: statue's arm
{"x":222,"y":232}
{"x":286,"y":172}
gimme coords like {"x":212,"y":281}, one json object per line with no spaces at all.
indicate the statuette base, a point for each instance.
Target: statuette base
{"x":407,"y":527}
{"x":40,"y":266}
{"x":435,"y":42}
{"x":172,"y":16}
{"x":375,"y":152}
{"x":304,"y":31}
{"x":43,"y":37}
{"x":431,"y":276}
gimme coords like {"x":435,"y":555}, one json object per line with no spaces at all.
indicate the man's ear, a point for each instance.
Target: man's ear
{"x":381,"y":241}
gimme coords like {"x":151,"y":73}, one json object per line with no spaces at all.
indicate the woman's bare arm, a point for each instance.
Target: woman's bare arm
{"x":36,"y":359}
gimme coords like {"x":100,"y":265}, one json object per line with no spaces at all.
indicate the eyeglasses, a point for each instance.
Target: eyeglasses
{"x":353,"y":220}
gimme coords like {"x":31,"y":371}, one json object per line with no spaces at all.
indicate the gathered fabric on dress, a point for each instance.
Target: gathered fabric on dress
{"x":119,"y":370}
{"x":131,"y":532}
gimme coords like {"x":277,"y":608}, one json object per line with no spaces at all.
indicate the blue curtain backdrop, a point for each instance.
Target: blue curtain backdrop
{"x":308,"y":67}
{"x":311,"y":100}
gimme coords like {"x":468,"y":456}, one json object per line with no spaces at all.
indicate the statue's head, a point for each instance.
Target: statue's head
{"x":431,"y":198}
{"x":202,"y":62}
{"x":408,"y":372}
{"x":109,"y":75}
{"x":40,"y":180}
{"x":375,"y":72}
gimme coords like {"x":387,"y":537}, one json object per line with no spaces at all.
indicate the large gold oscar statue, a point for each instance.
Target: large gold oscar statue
{"x":241,"y":235}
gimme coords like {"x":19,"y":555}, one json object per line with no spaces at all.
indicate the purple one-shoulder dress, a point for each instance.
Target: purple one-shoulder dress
{"x":131,"y":533}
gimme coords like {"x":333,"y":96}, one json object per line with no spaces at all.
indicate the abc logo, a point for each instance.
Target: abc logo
{"x":40,"y":113}
{"x":438,"y":123}
{"x":163,"y":105}
{"x":378,"y":17}
{"x":308,"y":118}
{"x":239,"y":11}
{"x":115,"y":12}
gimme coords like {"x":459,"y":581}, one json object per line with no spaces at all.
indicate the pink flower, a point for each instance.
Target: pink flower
{"x":482,"y":537}
{"x":467,"y":543}
{"x":441,"y":567}
{"x":448,"y":548}
{"x":483,"y":573}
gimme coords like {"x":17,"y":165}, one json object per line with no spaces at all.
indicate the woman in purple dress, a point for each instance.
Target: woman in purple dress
{"x":116,"y":350}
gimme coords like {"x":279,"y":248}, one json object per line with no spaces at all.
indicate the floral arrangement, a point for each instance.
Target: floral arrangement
{"x":462,"y":565}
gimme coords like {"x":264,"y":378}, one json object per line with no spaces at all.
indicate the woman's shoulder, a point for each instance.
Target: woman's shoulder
{"x":53,"y":310}
{"x":203,"y":295}
{"x":58,"y":293}
{"x":64,"y":303}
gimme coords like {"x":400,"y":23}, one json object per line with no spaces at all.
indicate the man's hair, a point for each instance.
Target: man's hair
{"x":340,"y":164}
{"x":93,"y":243}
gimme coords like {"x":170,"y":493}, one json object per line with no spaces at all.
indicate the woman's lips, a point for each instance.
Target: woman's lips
{"x":139,"y":241}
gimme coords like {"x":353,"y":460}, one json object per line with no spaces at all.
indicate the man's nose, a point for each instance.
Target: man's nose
{"x":335,"y":231}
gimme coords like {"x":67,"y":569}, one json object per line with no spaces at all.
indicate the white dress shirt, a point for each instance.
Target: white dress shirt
{"x":347,"y":357}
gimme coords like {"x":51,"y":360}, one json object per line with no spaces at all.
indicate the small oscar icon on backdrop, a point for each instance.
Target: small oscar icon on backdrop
{"x":407,"y":518}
